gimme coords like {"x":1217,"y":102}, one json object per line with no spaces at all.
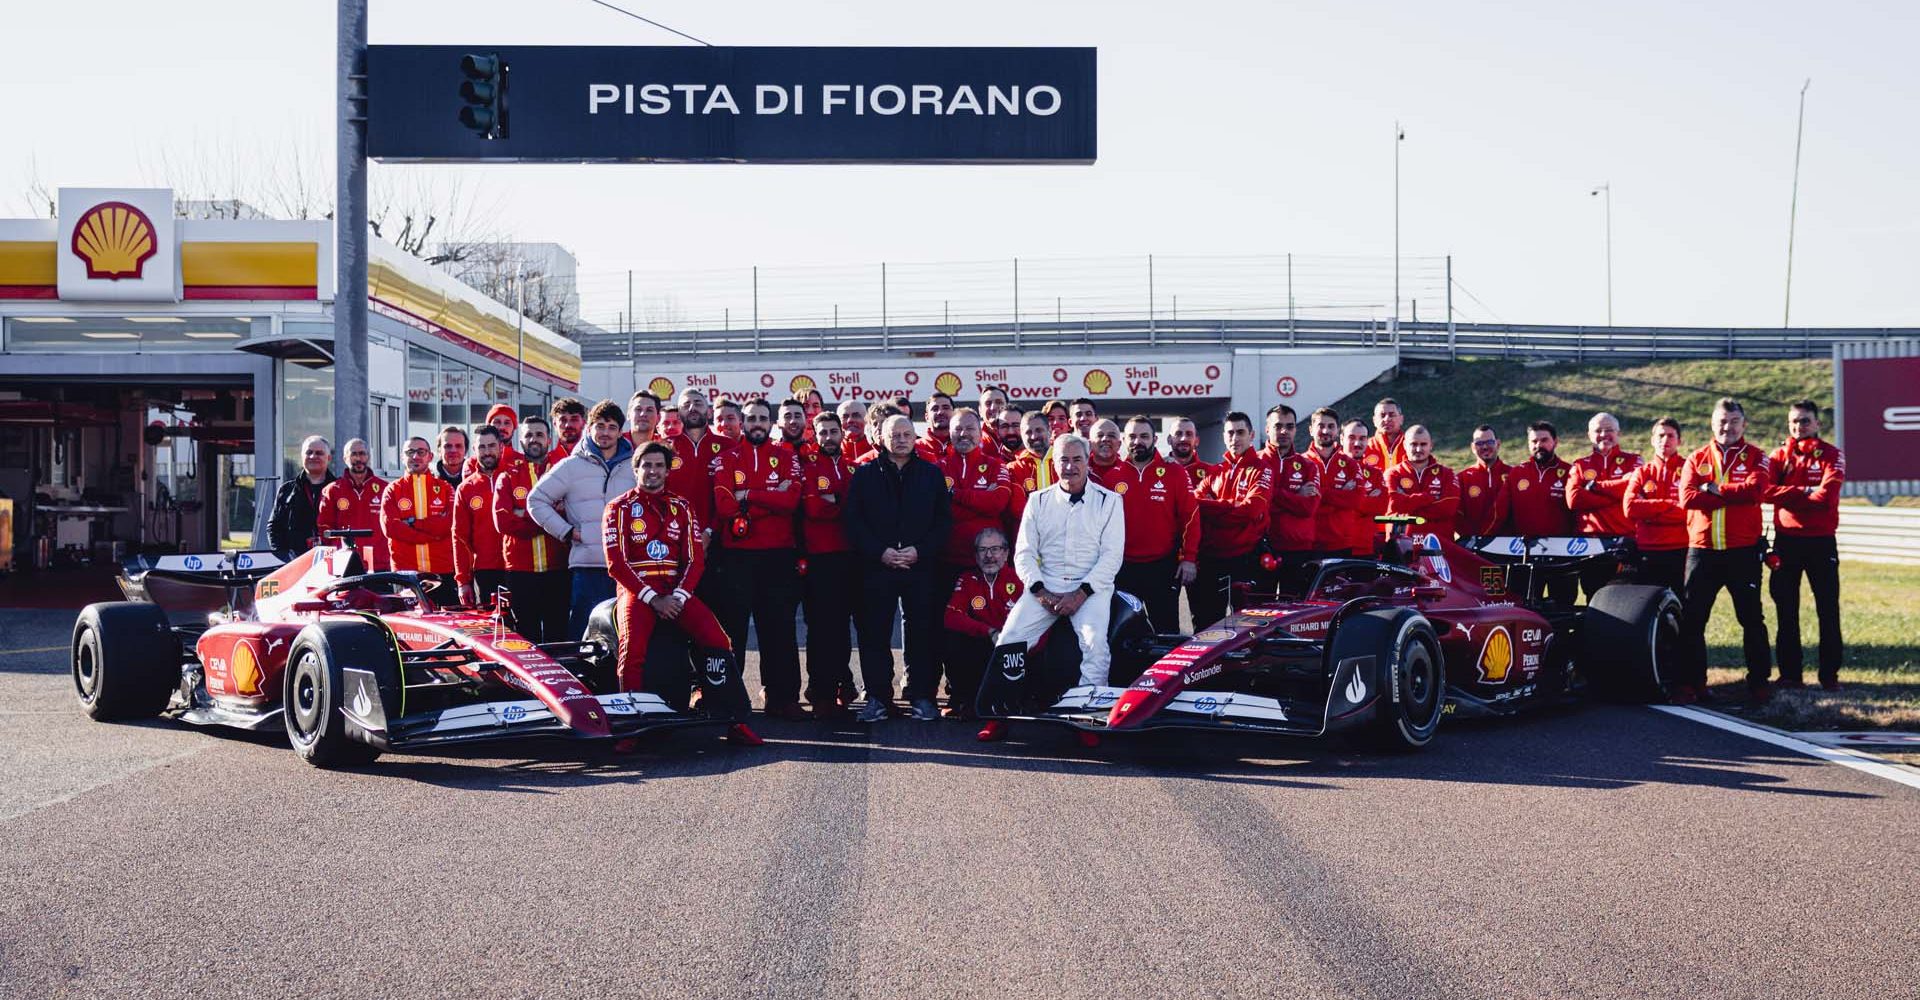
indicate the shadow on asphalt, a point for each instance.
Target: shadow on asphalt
{"x":1557,"y":749}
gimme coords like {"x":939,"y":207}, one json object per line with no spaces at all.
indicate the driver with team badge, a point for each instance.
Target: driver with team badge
{"x":655,"y":554}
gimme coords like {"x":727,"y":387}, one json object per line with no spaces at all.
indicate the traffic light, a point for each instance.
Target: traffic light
{"x":484,"y":90}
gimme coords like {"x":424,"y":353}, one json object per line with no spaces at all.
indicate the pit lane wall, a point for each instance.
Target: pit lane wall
{"x":1204,"y":385}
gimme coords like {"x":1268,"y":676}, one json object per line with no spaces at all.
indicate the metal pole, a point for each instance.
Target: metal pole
{"x":1452,"y":352}
{"x":519,"y":332}
{"x":1152,"y":330}
{"x":350,"y":228}
{"x":633,"y":352}
{"x":1399,"y":136}
{"x":1793,"y":210}
{"x":1607,"y":189}
{"x":756,"y":308}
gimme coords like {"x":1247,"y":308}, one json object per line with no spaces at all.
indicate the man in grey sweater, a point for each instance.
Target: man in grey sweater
{"x":569,"y":500}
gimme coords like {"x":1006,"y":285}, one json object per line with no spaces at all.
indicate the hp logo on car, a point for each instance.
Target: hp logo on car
{"x":513,"y":713}
{"x":1577,"y":547}
{"x":193,"y":562}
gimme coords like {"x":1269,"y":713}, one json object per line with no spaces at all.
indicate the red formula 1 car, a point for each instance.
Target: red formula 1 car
{"x":1384,"y":648}
{"x":350,"y":663}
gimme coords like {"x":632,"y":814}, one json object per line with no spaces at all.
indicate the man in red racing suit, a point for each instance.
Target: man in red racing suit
{"x":655,"y":555}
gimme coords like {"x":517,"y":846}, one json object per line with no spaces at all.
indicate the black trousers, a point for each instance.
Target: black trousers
{"x":1819,"y":560}
{"x":964,"y":657}
{"x":1152,"y":582}
{"x":1664,"y":568}
{"x":913,"y":593}
{"x":1208,"y":593}
{"x":761,"y":585}
{"x":542,"y":603}
{"x":831,"y":590}
{"x":1738,"y":572}
{"x":485,"y":582}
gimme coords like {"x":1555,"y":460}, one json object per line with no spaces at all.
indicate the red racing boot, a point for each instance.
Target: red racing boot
{"x":741,"y":735}
{"x":994,"y":730}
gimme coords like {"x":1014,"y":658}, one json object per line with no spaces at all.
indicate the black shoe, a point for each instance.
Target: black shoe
{"x":924,"y":710}
{"x":875,"y":710}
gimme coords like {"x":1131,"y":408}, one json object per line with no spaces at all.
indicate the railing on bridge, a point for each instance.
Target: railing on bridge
{"x":1419,"y":341}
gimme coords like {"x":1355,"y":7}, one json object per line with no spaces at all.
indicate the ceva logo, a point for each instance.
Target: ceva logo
{"x":116,"y":240}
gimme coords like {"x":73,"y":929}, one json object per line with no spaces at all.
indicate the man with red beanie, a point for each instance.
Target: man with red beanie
{"x":756,"y":490}
{"x":1806,"y":475}
{"x":1721,"y":489}
{"x":655,"y":556}
{"x":1652,"y":503}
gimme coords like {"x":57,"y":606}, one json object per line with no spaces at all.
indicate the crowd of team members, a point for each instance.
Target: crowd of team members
{"x":714,"y":514}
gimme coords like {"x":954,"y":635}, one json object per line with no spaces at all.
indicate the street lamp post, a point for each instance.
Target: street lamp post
{"x":1793,"y":209}
{"x":1606,"y":188}
{"x":1399,"y":136}
{"x":520,"y":329}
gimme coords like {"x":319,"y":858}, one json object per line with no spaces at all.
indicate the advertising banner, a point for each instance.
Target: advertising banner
{"x":1880,"y":421}
{"x":1024,"y":384}
{"x":717,"y":104}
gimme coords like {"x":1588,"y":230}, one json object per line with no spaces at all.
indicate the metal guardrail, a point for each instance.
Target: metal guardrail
{"x":1873,"y":534}
{"x":1418,"y":341}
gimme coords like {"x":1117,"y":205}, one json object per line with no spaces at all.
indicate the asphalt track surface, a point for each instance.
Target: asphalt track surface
{"x":1590,"y":852}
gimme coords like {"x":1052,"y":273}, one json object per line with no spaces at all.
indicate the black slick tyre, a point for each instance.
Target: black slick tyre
{"x":1409,"y":676}
{"x":315,"y":686}
{"x":1630,"y":641}
{"x":125,"y":661}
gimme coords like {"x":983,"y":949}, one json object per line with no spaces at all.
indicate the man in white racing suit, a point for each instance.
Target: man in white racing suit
{"x":1071,"y":542}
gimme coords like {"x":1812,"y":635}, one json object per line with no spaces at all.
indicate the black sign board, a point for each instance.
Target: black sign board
{"x":696,"y":104}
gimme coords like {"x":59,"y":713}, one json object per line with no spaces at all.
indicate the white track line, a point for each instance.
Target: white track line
{"x":1844,"y":758}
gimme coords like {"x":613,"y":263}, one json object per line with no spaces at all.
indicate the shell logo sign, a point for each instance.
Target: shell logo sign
{"x":947,"y":382}
{"x":1098,"y":381}
{"x":245,"y":668}
{"x":116,"y":240}
{"x":661,"y":387}
{"x":801,"y":385}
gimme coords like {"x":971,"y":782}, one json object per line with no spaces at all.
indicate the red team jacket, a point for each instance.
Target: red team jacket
{"x":690,"y":474}
{"x":982,"y":496}
{"x":1536,"y":499}
{"x":1597,"y":492}
{"x":344,"y":508}
{"x":977,"y":607}
{"x":1729,"y":519}
{"x":1290,"y":524}
{"x":1235,"y":500}
{"x":1162,"y":516}
{"x":1433,"y":494}
{"x":1196,"y":470}
{"x":653,"y":543}
{"x":1652,"y":503}
{"x":821,"y":531}
{"x":476,"y":542}
{"x":1482,"y":508}
{"x":1807,"y":476}
{"x":768,"y":509}
{"x":1023,"y":469}
{"x":1382,"y":454}
{"x":526,"y":548}
{"x":426,"y":545}
{"x":1350,"y":496}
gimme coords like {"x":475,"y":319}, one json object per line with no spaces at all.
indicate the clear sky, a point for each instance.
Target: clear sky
{"x":1225,"y":128}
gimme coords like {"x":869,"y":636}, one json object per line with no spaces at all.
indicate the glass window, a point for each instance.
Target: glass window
{"x":306,"y":407}
{"x":423,"y":393}
{"x":140,"y":334}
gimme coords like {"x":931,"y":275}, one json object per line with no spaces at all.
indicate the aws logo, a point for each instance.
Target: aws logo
{"x":115,"y":240}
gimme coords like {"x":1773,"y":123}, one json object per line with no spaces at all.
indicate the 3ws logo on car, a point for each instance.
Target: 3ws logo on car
{"x":1015,"y":666}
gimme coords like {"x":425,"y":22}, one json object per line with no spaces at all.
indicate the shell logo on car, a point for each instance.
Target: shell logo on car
{"x":245,"y":668}
{"x":801,"y":385}
{"x":661,"y":386}
{"x":116,"y":240}
{"x":514,"y":645}
{"x":1098,"y":381}
{"x":1496,"y":656}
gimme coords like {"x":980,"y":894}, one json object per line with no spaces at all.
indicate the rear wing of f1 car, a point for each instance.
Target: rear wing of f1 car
{"x":199,"y":582}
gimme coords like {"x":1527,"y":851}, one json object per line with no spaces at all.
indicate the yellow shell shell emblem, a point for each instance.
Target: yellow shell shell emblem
{"x":638,"y":527}
{"x":1523,"y":485}
{"x":246,"y":670}
{"x":1590,"y":475}
{"x":801,"y":385}
{"x":946,"y":382}
{"x":342,"y":504}
{"x":979,"y":603}
{"x":115,"y":239}
{"x":476,"y":502}
{"x":1098,"y":382}
{"x":1473,"y":491}
{"x":1496,"y":657}
{"x":661,"y":386}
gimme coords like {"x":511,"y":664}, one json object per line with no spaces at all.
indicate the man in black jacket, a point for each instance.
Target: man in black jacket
{"x":897,"y":517}
{"x":297,"y":505}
